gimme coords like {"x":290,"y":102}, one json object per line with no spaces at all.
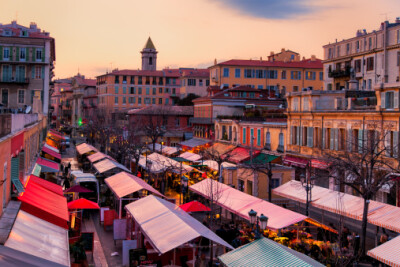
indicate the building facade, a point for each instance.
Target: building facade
{"x":27,"y":55}
{"x":194,"y":81}
{"x":281,"y":73}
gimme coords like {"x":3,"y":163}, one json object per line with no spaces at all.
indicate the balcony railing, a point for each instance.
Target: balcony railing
{"x":14,"y":80}
{"x":280,"y":149}
{"x":339,"y":73}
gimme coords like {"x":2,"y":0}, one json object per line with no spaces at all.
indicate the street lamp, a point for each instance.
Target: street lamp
{"x":162,"y":143}
{"x":306,"y":183}
{"x":261,"y":220}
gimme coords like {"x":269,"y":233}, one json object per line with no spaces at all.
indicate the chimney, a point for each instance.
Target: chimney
{"x":397,"y":20}
{"x":14,"y":23}
{"x":283,"y":50}
{"x":215,"y":61}
{"x":313,"y":57}
{"x":33,"y":26}
{"x":260,"y":58}
{"x":271,"y":53}
{"x":304,"y":58}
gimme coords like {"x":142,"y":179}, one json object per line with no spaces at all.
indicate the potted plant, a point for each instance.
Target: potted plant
{"x":78,"y":252}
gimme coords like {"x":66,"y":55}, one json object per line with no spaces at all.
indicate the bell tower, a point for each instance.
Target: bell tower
{"x":149,"y":56}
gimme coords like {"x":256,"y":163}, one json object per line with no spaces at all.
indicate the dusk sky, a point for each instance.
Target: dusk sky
{"x":97,"y":35}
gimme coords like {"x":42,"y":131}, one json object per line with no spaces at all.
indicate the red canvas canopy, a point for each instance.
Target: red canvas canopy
{"x":51,"y":165}
{"x":17,"y":143}
{"x":45,"y":205}
{"x":51,"y":152}
{"x":56,"y":134}
{"x":55,"y":188}
{"x":194,"y":206}
{"x":78,"y":189}
{"x":82,"y":204}
{"x":240,"y":154}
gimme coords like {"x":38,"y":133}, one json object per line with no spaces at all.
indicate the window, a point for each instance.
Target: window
{"x":268,"y":141}
{"x":310,"y":75}
{"x":6,"y":53}
{"x":132,"y":79}
{"x":272,"y":74}
{"x":347,"y":49}
{"x":295,"y":88}
{"x":295,"y":104}
{"x":124,"y":100}
{"x":177,"y":122}
{"x":207,"y":82}
{"x":258,"y":137}
{"x":295,"y":75}
{"x":116,"y":79}
{"x":370,"y":43}
{"x":154,"y":90}
{"x":124,"y":90}
{"x":369,"y":84}
{"x":357,"y":65}
{"x":153,"y":101}
{"x":140,"y":90}
{"x":248,"y":73}
{"x":329,"y":87}
{"x":147,"y":90}
{"x":150,"y":61}
{"x":167,"y":101}
{"x":310,"y":137}
{"x":260,"y":74}
{"x":251,"y":136}
{"x":38,"y":72}
{"x":259,"y":87}
{"x":160,"y":101}
{"x":389,"y":100}
{"x":276,"y":182}
{"x":226,"y":72}
{"x":116,"y":100}
{"x":173,"y":91}
{"x":283,"y":74}
{"x":240,"y":185}
{"x":140,"y":80}
{"x":124,"y":79}
{"x":167,"y":90}
{"x":370,"y":63}
{"x":200,"y":82}
{"x":191,"y":82}
{"x":21,"y":96}
{"x":132,"y":91}
{"x":237,"y":73}
{"x":330,"y":53}
{"x":139,"y":100}
{"x":244,"y":136}
{"x":321,"y":76}
{"x":281,"y":142}
{"x":22,"y":53}
{"x":160,"y":90}
{"x":357,"y":46}
{"x":116,"y":90}
{"x":338,"y":51}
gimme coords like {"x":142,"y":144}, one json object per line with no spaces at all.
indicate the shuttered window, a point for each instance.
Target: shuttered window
{"x":15,"y":174}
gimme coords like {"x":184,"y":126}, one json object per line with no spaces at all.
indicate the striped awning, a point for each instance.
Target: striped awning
{"x":295,"y":161}
{"x":388,"y":252}
{"x":265,"y":252}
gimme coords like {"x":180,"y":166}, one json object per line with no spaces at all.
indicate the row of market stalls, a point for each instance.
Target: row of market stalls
{"x":379,"y":214}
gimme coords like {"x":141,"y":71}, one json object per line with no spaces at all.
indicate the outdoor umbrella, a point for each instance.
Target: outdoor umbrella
{"x":77,"y":189}
{"x":82,"y":204}
{"x":194,"y":206}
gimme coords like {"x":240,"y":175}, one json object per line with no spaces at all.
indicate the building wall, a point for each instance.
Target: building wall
{"x":5,"y":168}
{"x":200,"y":87}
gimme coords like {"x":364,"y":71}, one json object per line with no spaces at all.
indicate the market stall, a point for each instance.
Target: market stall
{"x":35,"y":236}
{"x":124,"y":184}
{"x":48,"y":165}
{"x":167,"y":227}
{"x":85,"y":149}
{"x":195,"y":144}
{"x":388,"y":252}
{"x":52,"y":148}
{"x":241,"y":203}
{"x":55,"y":188}
{"x":240,"y":154}
{"x":50,"y":154}
{"x":98,"y":157}
{"x":265,"y":252}
{"x":380,"y":214}
{"x":12,"y":257}
{"x":108,"y":165}
{"x":45,"y":205}
{"x":220,"y":148}
{"x":192,"y":157}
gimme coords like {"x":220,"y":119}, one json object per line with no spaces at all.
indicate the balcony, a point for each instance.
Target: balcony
{"x":267,"y":146}
{"x":340,"y":73}
{"x":15,"y":80}
{"x":280,"y":149}
{"x":10,"y":122}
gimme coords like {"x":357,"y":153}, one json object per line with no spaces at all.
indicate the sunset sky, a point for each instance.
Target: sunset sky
{"x":97,"y":35}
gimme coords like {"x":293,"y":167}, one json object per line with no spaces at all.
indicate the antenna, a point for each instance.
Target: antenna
{"x":386,"y":15}
{"x":16,"y":16}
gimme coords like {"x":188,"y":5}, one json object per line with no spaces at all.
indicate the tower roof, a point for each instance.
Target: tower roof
{"x":149,"y":44}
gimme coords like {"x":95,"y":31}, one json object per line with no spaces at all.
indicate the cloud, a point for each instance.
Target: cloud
{"x":273,"y":9}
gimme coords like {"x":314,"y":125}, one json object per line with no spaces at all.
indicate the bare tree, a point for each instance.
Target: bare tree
{"x":219,"y":156}
{"x":154,"y":123}
{"x":366,"y":164}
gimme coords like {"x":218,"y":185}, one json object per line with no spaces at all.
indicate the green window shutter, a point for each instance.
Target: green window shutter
{"x":396,"y":144}
{"x":323,"y":138}
{"x":360,"y":141}
{"x":1,"y":53}
{"x":42,"y":54}
{"x":17,"y":73}
{"x":33,"y":72}
{"x":33,"y":54}
{"x":332,"y":139}
{"x":17,"y":54}
{"x":291,"y":135}
{"x":15,"y":174}
{"x":42,"y":72}
{"x":336,"y":130}
{"x":32,"y":95}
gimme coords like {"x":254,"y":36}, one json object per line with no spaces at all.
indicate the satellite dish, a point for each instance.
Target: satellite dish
{"x":28,"y":109}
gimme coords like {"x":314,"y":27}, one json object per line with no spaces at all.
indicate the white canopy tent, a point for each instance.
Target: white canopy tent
{"x":107,"y":165}
{"x":241,"y":203}
{"x":166,"y":225}
{"x":190,"y":156}
{"x":169,"y":164}
{"x":388,"y":252}
{"x":37,"y":237}
{"x":214,"y":165}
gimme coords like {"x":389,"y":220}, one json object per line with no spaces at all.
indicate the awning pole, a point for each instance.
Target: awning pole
{"x":174,"y":257}
{"x":120,"y":208}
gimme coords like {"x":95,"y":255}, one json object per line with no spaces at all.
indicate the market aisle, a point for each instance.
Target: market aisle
{"x":98,"y":254}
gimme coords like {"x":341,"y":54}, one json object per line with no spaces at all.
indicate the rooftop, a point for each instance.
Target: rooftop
{"x":307,"y":63}
{"x":149,"y":44}
{"x":16,"y":30}
{"x":174,"y":110}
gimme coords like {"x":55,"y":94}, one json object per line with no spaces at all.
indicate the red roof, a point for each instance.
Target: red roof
{"x":44,"y":204}
{"x":55,"y":188}
{"x":194,"y":206}
{"x":83,"y":204}
{"x":202,"y":73}
{"x":51,"y":152}
{"x":240,"y":154}
{"x":307,"y":64}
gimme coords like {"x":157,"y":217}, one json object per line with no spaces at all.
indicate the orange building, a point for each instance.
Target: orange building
{"x":281,"y":73}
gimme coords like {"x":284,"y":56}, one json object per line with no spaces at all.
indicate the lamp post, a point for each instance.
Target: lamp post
{"x":258,"y":220}
{"x":162,"y":143}
{"x":306,"y":182}
{"x":184,"y":184}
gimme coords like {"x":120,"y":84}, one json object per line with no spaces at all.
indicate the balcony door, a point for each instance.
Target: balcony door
{"x":4,"y":97}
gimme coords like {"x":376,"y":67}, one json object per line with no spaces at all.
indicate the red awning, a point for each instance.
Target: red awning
{"x":56,"y":134}
{"x":295,"y":161}
{"x":83,"y":204}
{"x":51,"y":152}
{"x":17,"y":143}
{"x":44,"y":204}
{"x":194,"y":206}
{"x":55,"y":188}
{"x":240,"y":154}
{"x":319,"y":164}
{"x":49,"y":164}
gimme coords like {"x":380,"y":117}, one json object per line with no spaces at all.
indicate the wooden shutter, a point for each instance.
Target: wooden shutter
{"x":332,"y":139}
{"x":291,"y":135}
{"x":1,"y":53}
{"x":301,"y":136}
{"x":396,"y":99}
{"x":43,"y":72}
{"x":17,"y":55}
{"x":33,"y":72}
{"x":388,"y":148}
{"x":383,"y":100}
{"x":349,"y":140}
{"x":33,"y":54}
{"x":360,"y":141}
{"x":396,"y":144}
{"x":323,"y":139}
